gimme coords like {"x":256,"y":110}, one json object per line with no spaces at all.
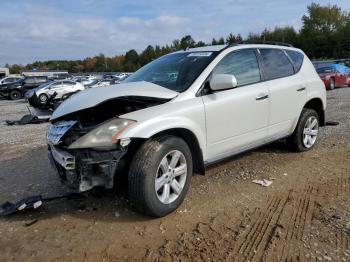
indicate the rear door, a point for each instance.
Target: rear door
{"x":286,"y":88}
{"x":236,"y":119}
{"x":56,"y":88}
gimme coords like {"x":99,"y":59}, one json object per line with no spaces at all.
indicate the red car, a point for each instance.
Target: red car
{"x":334,"y":76}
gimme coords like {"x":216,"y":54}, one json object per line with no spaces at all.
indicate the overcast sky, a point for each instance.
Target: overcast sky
{"x":73,"y":29}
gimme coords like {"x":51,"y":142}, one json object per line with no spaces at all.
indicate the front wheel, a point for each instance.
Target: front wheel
{"x":43,"y":98}
{"x":160,"y":175}
{"x":306,"y":133}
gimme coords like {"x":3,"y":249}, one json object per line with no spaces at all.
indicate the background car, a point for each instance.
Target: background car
{"x":101,"y":83}
{"x":59,"y":88}
{"x":334,"y":75}
{"x":17,"y":89}
{"x":9,"y":80}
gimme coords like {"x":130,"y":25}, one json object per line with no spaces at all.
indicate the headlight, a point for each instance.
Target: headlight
{"x":106,"y":135}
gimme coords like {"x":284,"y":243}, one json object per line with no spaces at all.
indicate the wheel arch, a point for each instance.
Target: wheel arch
{"x":190,"y":138}
{"x":317,"y":105}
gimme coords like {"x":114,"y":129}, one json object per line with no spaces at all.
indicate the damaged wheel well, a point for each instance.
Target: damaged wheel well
{"x":192,"y":142}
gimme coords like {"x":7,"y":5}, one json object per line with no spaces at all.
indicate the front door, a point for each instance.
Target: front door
{"x":236,"y":119}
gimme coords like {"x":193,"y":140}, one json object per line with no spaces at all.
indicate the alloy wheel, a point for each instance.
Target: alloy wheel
{"x":310,"y":132}
{"x":171,"y":177}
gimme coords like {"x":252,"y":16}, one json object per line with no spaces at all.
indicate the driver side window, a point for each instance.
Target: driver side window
{"x":242,"y":64}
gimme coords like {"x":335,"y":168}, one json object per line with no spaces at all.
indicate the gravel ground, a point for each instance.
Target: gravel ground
{"x":304,"y":215}
{"x":23,"y":138}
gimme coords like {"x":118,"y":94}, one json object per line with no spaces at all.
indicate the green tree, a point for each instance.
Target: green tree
{"x":131,"y":62}
{"x":319,"y":35}
{"x":147,"y":55}
{"x":187,"y":42}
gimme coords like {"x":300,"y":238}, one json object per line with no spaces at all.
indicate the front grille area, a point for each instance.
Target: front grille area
{"x":56,"y":131}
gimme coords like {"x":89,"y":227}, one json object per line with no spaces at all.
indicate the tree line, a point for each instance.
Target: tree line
{"x":325,"y":34}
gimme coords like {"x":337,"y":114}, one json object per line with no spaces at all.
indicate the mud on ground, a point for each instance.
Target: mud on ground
{"x":303,"y":216}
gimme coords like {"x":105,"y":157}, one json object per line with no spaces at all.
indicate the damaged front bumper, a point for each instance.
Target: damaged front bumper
{"x":88,"y":168}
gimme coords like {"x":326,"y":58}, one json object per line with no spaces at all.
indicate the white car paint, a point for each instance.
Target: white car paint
{"x":224,"y":122}
{"x":94,"y":96}
{"x":60,"y":87}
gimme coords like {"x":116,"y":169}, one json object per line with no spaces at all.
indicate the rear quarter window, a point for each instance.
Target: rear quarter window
{"x":297,"y":58}
{"x":276,"y":64}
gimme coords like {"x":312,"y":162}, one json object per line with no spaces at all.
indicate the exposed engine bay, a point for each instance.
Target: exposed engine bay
{"x":89,"y":165}
{"x":111,"y":108}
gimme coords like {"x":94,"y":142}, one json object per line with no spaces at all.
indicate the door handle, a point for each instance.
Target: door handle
{"x":262,"y":97}
{"x":301,"y":89}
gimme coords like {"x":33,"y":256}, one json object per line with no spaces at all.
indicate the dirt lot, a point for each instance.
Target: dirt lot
{"x":304,"y":215}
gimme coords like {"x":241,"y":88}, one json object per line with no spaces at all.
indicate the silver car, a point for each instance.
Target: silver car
{"x":61,"y":88}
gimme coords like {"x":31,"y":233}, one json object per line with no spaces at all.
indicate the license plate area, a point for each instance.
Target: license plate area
{"x":56,"y":131}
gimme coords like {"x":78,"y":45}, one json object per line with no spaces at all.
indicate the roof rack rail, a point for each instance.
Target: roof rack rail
{"x":265,"y":43}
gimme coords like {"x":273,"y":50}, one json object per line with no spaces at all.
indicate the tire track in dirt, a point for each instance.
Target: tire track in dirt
{"x":343,"y":239}
{"x":302,"y":209}
{"x":280,"y":230}
{"x":256,"y":240}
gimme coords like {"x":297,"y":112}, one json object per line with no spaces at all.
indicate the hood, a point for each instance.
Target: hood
{"x":92,"y":97}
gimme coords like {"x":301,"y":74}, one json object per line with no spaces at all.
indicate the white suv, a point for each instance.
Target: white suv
{"x":182,"y":112}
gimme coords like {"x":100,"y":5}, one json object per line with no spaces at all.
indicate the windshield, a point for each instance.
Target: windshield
{"x":176,"y":71}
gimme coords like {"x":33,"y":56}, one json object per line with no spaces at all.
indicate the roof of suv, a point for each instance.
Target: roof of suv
{"x":216,"y":48}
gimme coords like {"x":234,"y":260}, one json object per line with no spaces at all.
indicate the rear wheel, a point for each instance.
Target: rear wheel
{"x":15,"y":94}
{"x":160,"y":175}
{"x":331,"y":84}
{"x":305,"y":134}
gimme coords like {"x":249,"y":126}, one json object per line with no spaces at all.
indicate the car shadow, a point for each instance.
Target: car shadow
{"x":277,"y":147}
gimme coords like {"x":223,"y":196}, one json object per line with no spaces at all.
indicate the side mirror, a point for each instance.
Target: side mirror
{"x":222,"y":82}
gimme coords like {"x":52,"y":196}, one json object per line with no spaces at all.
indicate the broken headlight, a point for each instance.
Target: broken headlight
{"x":105,"y":135}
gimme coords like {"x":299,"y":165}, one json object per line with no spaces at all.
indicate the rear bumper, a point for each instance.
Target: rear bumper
{"x":84,"y":169}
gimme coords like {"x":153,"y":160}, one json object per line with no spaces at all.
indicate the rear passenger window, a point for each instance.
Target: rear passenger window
{"x":276,"y":64}
{"x":242,"y":64}
{"x":297,"y":59}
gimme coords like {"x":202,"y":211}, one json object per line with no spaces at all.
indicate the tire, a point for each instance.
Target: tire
{"x":298,"y":141}
{"x":148,"y":165}
{"x":15,"y":95}
{"x":43,"y":98}
{"x":331,"y":84}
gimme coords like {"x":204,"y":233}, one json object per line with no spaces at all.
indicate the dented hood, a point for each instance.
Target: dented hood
{"x":92,"y":97}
